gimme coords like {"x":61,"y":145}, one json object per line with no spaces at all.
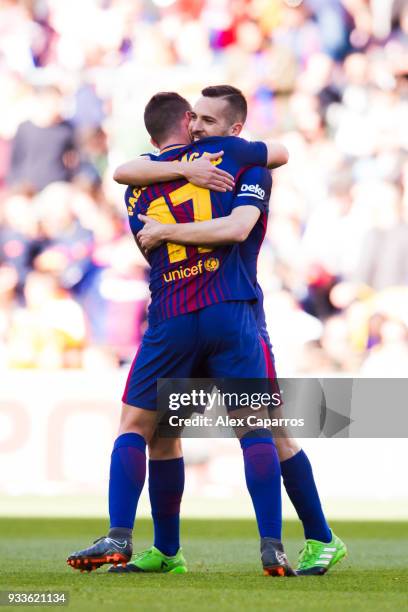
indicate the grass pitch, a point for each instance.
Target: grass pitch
{"x":224,"y":569}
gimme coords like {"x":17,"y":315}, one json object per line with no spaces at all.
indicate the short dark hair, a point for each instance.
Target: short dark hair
{"x":163,"y":112}
{"x":234,"y":97}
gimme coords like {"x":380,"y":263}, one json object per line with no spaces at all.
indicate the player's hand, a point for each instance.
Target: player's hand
{"x":150,"y":237}
{"x":203,"y":173}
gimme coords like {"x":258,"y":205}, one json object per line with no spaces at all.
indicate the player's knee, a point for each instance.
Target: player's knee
{"x":165,"y":448}
{"x":286,"y":447}
{"x":138,"y":420}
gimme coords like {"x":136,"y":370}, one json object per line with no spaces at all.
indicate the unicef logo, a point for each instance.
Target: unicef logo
{"x":212,"y":264}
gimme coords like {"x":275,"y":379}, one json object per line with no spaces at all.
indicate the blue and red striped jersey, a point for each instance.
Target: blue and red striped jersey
{"x":187,"y":278}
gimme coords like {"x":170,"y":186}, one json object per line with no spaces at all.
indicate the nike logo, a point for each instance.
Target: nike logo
{"x":281,"y":557}
{"x":116,"y":543}
{"x":164,"y":564}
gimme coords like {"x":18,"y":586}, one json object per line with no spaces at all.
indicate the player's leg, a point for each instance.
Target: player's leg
{"x":262,"y":476}
{"x":166,"y":485}
{"x":126,"y":480}
{"x":166,"y":467}
{"x":237,"y":353}
{"x":301,"y":488}
{"x":322,"y":548}
{"x":128,"y":468}
{"x":164,"y":352}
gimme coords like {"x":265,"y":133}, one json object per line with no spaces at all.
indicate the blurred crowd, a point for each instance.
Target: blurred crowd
{"x":328,"y":78}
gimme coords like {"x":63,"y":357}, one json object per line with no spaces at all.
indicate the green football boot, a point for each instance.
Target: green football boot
{"x":317,"y":558}
{"x":152,"y":560}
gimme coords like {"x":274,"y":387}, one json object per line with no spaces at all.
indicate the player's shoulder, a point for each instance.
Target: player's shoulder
{"x":173,"y":152}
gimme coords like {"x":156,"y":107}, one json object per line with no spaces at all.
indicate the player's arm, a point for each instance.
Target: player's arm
{"x":225,"y":230}
{"x":267,"y":154}
{"x":251,"y":199}
{"x":277,"y":153}
{"x":201,"y":172}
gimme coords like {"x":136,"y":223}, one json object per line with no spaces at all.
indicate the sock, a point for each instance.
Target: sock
{"x":166,"y":486}
{"x":262,"y":474}
{"x":120,"y":533}
{"x":300,"y":486}
{"x":127,"y":476}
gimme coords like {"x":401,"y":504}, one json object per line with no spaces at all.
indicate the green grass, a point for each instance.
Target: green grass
{"x":224,"y":569}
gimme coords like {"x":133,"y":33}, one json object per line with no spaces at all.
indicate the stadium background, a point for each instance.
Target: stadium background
{"x":328,"y":78}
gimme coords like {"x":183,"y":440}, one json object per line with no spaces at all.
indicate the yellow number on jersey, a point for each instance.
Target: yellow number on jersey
{"x":160,"y":211}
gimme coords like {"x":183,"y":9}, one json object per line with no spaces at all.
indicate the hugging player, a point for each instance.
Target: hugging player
{"x":195,"y":307}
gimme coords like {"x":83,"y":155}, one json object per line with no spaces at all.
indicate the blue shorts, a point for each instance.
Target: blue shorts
{"x":221,"y":340}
